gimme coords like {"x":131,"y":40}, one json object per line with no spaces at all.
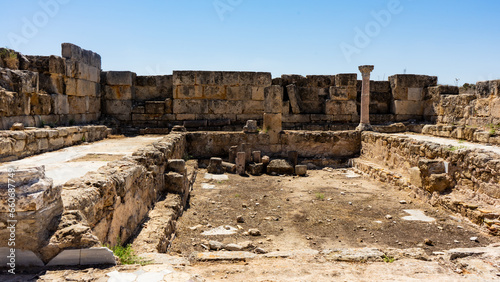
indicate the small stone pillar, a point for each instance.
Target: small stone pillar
{"x":215,"y":166}
{"x":232,"y":154}
{"x":293,"y":158}
{"x":251,"y":127}
{"x":240,"y":163}
{"x":365,"y":99}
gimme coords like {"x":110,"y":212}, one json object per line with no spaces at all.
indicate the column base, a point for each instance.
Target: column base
{"x":364,"y":127}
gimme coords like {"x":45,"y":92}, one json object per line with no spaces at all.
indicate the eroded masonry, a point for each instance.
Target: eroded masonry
{"x":237,"y":123}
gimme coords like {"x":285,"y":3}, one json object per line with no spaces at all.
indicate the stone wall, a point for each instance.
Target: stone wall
{"x":15,"y":144}
{"x":37,"y":90}
{"x":479,"y":109}
{"x":110,"y":204}
{"x":310,"y":145}
{"x":463,"y":180}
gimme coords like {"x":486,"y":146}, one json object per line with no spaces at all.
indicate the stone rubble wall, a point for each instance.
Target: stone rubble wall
{"x":16,"y":144}
{"x":38,"y":90}
{"x":312,"y":145}
{"x":114,"y":201}
{"x":479,"y":108}
{"x":463,"y":132}
{"x":463,"y":180}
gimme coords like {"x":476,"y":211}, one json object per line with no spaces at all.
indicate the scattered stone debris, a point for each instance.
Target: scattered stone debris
{"x":254,"y":232}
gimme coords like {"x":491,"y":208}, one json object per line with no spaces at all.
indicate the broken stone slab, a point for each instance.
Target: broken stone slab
{"x":229,"y":167}
{"x":90,"y":256}
{"x":216,"y":177}
{"x":301,"y":170}
{"x":265,"y":160}
{"x":223,"y":256}
{"x":221,"y":230}
{"x":251,"y":127}
{"x":215,"y":166}
{"x":293,"y":95}
{"x":280,"y":167}
{"x":417,"y":215}
{"x":354,"y":255}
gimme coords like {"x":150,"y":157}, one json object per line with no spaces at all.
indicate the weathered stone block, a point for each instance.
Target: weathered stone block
{"x":53,"y":83}
{"x":214,"y":92}
{"x":168,"y":106}
{"x":320,"y":81}
{"x":57,"y":65}
{"x":346,"y":79}
{"x":155,"y":107}
{"x":117,"y":107}
{"x":239,"y":93}
{"x":215,"y":166}
{"x":190,"y":106}
{"x":40,"y":104}
{"x":301,"y":170}
{"x":294,"y":97}
{"x":273,"y":126}
{"x":77,"y":105}
{"x":253,"y":107}
{"x":415,"y":93}
{"x":119,"y":78}
{"x":175,"y":183}
{"x":177,"y":165}
{"x":225,"y":107}
{"x":408,"y":107}
{"x":188,"y":92}
{"x":340,"y":107}
{"x":258,"y":93}
{"x":184,"y":78}
{"x":273,"y":99}
{"x":280,"y":167}
{"x":59,"y":104}
{"x":71,"y":51}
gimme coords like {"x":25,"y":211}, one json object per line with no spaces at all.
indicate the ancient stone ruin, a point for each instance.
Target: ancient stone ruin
{"x":190,"y":131}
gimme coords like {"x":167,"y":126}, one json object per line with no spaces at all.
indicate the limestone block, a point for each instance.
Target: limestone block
{"x":117,"y":106}
{"x":214,"y":92}
{"x":380,"y":86}
{"x":263,"y":79}
{"x":40,"y":104}
{"x":286,"y":108}
{"x":182,"y":117}
{"x":77,"y":69}
{"x":247,"y":78}
{"x":59,"y":104}
{"x":346,"y":79}
{"x":53,"y":83}
{"x":244,"y":117}
{"x":225,"y":107}
{"x":340,"y":107}
{"x":188,"y":92}
{"x":183,"y":78}
{"x":273,"y":99}
{"x":280,"y":167}
{"x":495,"y":108}
{"x":297,"y":118}
{"x":168,"y":106}
{"x":240,"y":163}
{"x":312,"y":107}
{"x":288,"y":79}
{"x":320,"y":81}
{"x":57,"y":65}
{"x":190,"y":106}
{"x":71,"y":51}
{"x":93,"y":105}
{"x":415,"y":93}
{"x":239,"y":93}
{"x":273,"y":126}
{"x":126,"y":78}
{"x":258,"y":93}
{"x":215,"y":166}
{"x":177,"y":165}
{"x":301,"y":170}
{"x":401,"y":107}
{"x":253,"y":107}
{"x":77,"y":105}
{"x":97,"y":256}
{"x":489,"y":88}
{"x":155,"y":107}
{"x":116,"y":92}
{"x":293,"y":95}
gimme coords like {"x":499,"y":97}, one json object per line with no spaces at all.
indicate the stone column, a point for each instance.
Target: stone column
{"x":365,"y":99}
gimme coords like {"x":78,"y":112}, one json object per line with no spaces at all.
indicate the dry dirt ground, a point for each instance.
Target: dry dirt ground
{"x":301,"y":217}
{"x":325,"y":210}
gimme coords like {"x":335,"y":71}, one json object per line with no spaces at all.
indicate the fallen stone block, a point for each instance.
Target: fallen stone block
{"x":301,"y":170}
{"x":229,"y":167}
{"x":256,"y":169}
{"x":280,"y":167}
{"x":215,"y":166}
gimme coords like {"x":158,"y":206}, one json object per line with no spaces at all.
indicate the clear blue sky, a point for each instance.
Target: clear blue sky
{"x":448,"y":38}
